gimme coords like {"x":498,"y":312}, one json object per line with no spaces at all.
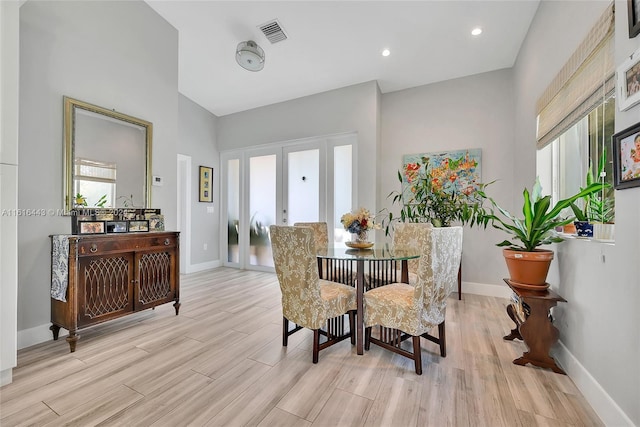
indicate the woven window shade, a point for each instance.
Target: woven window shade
{"x":583,"y":83}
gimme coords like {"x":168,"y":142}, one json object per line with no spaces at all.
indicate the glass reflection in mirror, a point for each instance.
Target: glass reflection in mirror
{"x":107,"y":158}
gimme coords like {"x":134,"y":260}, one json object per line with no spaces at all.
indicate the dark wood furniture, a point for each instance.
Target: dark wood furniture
{"x":113,"y":275}
{"x":534,"y":326}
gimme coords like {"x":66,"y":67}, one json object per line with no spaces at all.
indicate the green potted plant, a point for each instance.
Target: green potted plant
{"x":528,"y":264}
{"x":596,"y":207}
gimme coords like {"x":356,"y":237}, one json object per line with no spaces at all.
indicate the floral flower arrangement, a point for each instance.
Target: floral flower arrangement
{"x":358,"y":221}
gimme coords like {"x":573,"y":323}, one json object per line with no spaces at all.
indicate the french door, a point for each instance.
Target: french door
{"x":282,"y":184}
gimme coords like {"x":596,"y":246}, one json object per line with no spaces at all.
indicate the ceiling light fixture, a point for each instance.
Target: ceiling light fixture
{"x":386,"y":52}
{"x":476,"y":31}
{"x":250,"y":56}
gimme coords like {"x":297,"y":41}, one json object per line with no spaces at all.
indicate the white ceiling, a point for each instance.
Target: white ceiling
{"x":333,"y":44}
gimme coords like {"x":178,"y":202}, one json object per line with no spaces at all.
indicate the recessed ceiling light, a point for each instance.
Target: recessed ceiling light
{"x":386,"y":52}
{"x":476,"y":31}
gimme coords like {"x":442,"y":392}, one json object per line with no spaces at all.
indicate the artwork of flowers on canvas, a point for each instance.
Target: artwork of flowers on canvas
{"x":454,"y":172}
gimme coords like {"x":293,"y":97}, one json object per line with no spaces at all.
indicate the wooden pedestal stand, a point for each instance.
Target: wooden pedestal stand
{"x":535,"y":328}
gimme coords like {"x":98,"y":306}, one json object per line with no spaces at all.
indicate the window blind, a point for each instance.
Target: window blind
{"x":584,"y":82}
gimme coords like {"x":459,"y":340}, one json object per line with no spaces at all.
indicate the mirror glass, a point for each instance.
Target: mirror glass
{"x":107,"y":158}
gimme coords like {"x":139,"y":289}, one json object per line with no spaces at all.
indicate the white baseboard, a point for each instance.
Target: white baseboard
{"x":606,"y":408}
{"x":194,"y":268}
{"x":37,"y":335}
{"x":500,"y":291}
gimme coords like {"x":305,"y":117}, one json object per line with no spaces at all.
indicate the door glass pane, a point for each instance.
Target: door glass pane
{"x":233,"y":209}
{"x":303,"y":186}
{"x":262,"y":208}
{"x":342,"y":191}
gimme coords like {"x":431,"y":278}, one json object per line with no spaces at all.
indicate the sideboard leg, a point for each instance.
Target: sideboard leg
{"x":72,"y":339}
{"x":56,"y":331}
{"x":177,"y":305}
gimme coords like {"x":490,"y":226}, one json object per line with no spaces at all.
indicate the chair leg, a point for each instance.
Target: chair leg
{"x":443,"y":340}
{"x":316,"y":344}
{"x":460,"y":281}
{"x":417,"y":354}
{"x":367,"y":338}
{"x":352,"y":326}
{"x":285,"y":331}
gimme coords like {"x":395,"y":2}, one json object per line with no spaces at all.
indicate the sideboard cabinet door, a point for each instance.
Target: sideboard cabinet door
{"x":155,"y":278}
{"x":105,"y":288}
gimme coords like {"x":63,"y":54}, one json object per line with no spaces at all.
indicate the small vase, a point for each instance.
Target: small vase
{"x":361,"y":237}
{"x":584,"y":228}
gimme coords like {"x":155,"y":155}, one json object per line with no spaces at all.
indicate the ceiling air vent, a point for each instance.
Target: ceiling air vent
{"x":273,"y":31}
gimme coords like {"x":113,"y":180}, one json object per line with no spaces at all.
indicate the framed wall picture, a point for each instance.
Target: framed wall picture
{"x":91,"y":227}
{"x":628,"y":82}
{"x":206,"y":184}
{"x":626,"y":158}
{"x":634,"y":17}
{"x":116,"y":226}
{"x":138,"y":226}
{"x":456,"y":171}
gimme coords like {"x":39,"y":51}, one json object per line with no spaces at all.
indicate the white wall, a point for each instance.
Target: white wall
{"x":469,"y":112}
{"x":9,"y":69}
{"x":599,"y":324}
{"x":353,"y":108}
{"x":197,"y":139}
{"x":118,"y":55}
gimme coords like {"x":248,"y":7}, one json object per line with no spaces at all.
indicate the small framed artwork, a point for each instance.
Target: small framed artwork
{"x":156,"y":222}
{"x":75,"y":220}
{"x":628,"y":82}
{"x":633,"y":7}
{"x":91,"y":227}
{"x":626,"y":158}
{"x":116,"y":226}
{"x":206,"y":184}
{"x":140,"y":225}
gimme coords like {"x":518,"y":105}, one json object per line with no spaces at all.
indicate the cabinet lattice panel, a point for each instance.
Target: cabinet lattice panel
{"x":155,"y":273}
{"x":106,"y":286}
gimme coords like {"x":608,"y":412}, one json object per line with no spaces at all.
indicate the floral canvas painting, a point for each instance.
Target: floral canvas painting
{"x":452,"y":171}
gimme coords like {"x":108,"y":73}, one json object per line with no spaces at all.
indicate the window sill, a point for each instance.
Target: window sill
{"x":568,"y":236}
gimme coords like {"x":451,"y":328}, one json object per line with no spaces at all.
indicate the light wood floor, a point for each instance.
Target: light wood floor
{"x":221,"y":362}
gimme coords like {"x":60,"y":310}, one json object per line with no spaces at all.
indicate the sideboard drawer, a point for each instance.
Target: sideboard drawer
{"x":100,"y":245}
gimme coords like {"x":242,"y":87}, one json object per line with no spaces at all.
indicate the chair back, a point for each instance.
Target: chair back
{"x":438,"y":271}
{"x":409,"y":235}
{"x":294,"y":257}
{"x":320,"y":231}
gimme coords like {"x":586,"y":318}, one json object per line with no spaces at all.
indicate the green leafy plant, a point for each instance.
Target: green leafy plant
{"x":80,"y":200}
{"x":101,"y":201}
{"x":540,"y":219}
{"x":597,"y":207}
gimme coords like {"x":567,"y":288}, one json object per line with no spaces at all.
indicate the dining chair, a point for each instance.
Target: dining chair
{"x":404,"y":310}
{"x":341,"y":272}
{"x":307,"y":300}
{"x":404,"y":235}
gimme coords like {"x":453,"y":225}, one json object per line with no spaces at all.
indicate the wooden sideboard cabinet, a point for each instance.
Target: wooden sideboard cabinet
{"x":112,"y":275}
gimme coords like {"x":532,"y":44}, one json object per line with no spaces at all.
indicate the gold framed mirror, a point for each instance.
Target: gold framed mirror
{"x":107,"y":158}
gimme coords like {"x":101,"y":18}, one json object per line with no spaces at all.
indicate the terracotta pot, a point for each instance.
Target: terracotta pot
{"x":528,"y":269}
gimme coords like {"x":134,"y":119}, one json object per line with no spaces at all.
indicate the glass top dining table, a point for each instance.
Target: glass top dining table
{"x":381,"y":260}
